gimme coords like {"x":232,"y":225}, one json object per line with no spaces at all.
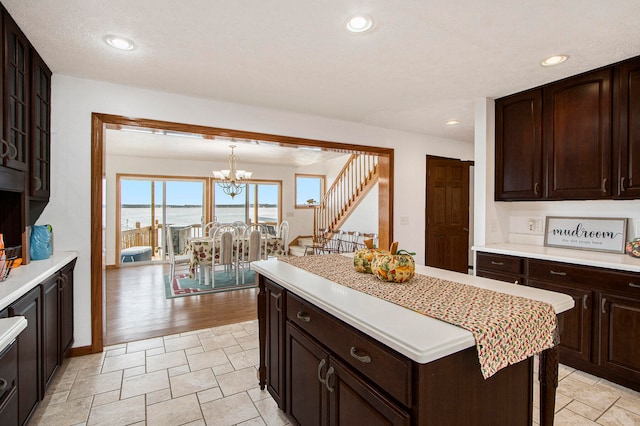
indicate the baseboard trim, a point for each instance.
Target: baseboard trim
{"x":80,"y":351}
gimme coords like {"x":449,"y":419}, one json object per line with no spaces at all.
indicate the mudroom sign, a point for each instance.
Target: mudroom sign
{"x":586,"y":233}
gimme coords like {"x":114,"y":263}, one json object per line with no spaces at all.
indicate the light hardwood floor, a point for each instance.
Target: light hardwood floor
{"x":137,"y":308}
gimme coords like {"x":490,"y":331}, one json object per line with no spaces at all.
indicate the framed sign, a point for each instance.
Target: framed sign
{"x":586,"y":233}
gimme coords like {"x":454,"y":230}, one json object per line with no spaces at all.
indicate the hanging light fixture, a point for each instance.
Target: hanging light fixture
{"x":232,"y":180}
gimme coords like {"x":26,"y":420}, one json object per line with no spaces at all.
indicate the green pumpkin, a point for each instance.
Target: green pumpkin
{"x":362,"y":259}
{"x":399,"y":267}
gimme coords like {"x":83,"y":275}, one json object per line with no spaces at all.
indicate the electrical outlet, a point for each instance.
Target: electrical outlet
{"x":532,"y":225}
{"x":538,"y":226}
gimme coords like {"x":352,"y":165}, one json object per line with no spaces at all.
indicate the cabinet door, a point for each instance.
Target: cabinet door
{"x":16,"y":95}
{"x":66,"y":309}
{"x":575,"y":336}
{"x":620,"y":334}
{"x":627,"y":133}
{"x":577,"y":136}
{"x":50,"y":329}
{"x":351,"y":398}
{"x":29,"y":353}
{"x":40,"y":129}
{"x":307,"y":367}
{"x":519,"y":146}
{"x":274,"y":357}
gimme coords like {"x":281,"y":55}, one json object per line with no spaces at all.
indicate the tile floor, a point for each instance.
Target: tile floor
{"x":208,"y":377}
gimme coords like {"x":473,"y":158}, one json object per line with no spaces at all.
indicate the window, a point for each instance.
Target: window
{"x":259,"y":202}
{"x":309,"y":190}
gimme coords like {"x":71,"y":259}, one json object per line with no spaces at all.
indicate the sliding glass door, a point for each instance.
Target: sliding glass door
{"x":259,"y":202}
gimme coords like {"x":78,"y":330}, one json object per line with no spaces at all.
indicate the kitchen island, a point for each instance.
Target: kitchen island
{"x":331,"y":354}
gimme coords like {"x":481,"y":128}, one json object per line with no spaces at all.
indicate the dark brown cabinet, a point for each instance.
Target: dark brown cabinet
{"x":601,"y":333}
{"x":50,"y":328}
{"x":626,"y":133}
{"x":577,"y":136}
{"x":275,"y":358}
{"x":519,"y":146}
{"x":9,"y":385}
{"x":40,"y":129}
{"x":15,"y":95}
{"x":29,"y":353}
{"x":65,"y":289}
{"x":620,"y":333}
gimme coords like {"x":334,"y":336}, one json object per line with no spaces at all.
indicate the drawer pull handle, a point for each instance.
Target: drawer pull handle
{"x":303,"y":316}
{"x":12,"y":148}
{"x":562,"y":274}
{"x":634,"y":285}
{"x":536,"y":188}
{"x":603,"y":307}
{"x":277,"y":297}
{"x":3,"y":386}
{"x":4,"y":152}
{"x":330,"y":372}
{"x":362,"y":358}
{"x":323,"y":362}
{"x":604,"y":184}
{"x":497,"y":263}
{"x":622,"y":183}
{"x":584,"y":302}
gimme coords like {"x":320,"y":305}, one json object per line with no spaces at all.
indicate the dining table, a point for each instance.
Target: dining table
{"x":203,"y":249}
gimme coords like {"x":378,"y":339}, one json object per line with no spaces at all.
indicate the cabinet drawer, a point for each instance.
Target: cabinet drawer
{"x":370,"y":358}
{"x":626,"y":283}
{"x":8,"y":382}
{"x":499,"y":263}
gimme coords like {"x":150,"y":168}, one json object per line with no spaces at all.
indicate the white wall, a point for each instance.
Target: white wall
{"x":74,"y":99}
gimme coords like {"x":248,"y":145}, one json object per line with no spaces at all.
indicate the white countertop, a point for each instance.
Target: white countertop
{"x":419,"y":337}
{"x":9,"y":330}
{"x":22,"y":279}
{"x":622,"y":262}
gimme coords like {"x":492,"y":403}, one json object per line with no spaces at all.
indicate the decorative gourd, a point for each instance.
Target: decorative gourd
{"x":633,"y":248}
{"x":394,"y":267}
{"x":363,"y":257}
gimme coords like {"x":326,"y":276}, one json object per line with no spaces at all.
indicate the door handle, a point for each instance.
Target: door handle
{"x":330,"y":372}
{"x":362,"y":358}
{"x":322,"y":363}
{"x":303,"y":316}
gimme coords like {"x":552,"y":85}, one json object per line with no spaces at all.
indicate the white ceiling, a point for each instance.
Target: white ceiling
{"x":424,"y":63}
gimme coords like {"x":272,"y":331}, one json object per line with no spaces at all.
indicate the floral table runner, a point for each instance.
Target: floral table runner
{"x":507,"y":329}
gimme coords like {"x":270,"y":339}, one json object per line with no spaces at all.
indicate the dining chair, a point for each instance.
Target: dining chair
{"x":283,"y":234}
{"x":210,"y":228}
{"x":175,"y":261}
{"x":226,"y":237}
{"x":254,"y":246}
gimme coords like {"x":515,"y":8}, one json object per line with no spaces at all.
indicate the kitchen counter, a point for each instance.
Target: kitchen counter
{"x":10,"y":328}
{"x":22,"y":279}
{"x":418,"y":337}
{"x":622,"y":262}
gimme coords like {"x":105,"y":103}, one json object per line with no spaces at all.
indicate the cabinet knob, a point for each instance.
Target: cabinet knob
{"x":303,"y":316}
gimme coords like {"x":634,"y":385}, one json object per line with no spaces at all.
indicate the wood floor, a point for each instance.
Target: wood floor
{"x":136,"y":307}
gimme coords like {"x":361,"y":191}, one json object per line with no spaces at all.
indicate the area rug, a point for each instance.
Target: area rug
{"x":184,"y":286}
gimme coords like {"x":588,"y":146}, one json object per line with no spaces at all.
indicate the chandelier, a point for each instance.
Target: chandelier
{"x":232,"y":180}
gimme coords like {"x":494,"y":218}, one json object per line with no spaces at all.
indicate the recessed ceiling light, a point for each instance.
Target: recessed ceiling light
{"x":359,"y":23}
{"x":554,"y":60}
{"x":452,"y":122}
{"x":120,"y":43}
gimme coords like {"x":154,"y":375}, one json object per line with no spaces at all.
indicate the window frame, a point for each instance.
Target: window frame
{"x":323,"y":185}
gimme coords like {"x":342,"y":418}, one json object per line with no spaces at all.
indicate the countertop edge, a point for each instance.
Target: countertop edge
{"x":621,"y":262}
{"x":21,"y":280}
{"x":10,"y":328}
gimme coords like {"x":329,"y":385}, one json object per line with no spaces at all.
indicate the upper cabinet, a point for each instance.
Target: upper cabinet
{"x":40,"y":129}
{"x":573,"y":139}
{"x":577,"y":136}
{"x":15,"y":95}
{"x":519,"y":146}
{"x":626,"y":133}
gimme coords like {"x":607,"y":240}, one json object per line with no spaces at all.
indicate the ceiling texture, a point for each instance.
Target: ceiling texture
{"x":423,"y":63}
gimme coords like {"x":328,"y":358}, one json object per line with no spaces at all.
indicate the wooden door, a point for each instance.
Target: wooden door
{"x":620,"y":334}
{"x":519,"y":146}
{"x":575,"y":337}
{"x":307,"y":368}
{"x":627,"y":133}
{"x":447,"y":234}
{"x":274,"y":356}
{"x":577,"y":136}
{"x":353,"y":401}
